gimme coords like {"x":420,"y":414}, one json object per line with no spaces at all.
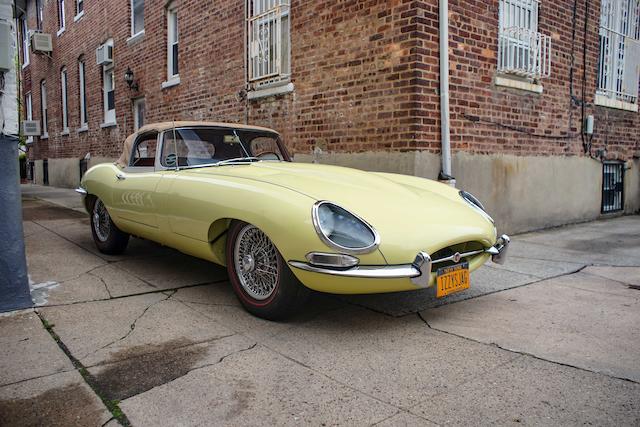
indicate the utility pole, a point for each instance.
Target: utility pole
{"x":14,"y":282}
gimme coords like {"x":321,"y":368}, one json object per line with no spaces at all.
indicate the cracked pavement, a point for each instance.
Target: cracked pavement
{"x":154,"y":337}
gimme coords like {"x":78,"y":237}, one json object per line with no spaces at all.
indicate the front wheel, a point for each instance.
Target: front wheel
{"x":108,"y":238}
{"x":262,"y":281}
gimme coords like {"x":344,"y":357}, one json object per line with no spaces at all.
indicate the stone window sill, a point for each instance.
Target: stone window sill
{"x":270,"y":91}
{"x":78,"y":16}
{"x":604,"y":101}
{"x":135,"y":38}
{"x":174,"y":81}
{"x":44,"y":136}
{"x":108,"y":125}
{"x":65,"y":132}
{"x":60,"y":32}
{"x":84,"y":128}
{"x":514,"y":83}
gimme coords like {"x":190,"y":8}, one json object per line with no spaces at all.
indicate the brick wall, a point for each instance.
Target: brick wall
{"x":365,"y":75}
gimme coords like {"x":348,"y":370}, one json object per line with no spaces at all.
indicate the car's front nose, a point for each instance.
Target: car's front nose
{"x":420,"y":273}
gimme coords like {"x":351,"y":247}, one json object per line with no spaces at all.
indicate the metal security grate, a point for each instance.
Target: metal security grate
{"x":612,"y":187}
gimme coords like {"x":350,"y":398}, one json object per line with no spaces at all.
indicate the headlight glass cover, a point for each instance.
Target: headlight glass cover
{"x":475,"y":203}
{"x":343,"y":230}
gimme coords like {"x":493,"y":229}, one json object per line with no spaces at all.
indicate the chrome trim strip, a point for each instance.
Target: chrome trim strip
{"x":461,"y":255}
{"x":502,"y":246}
{"x":81,"y":191}
{"x":370,"y":272}
{"x":325,"y":239}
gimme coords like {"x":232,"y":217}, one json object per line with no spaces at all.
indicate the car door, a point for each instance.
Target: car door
{"x":134,"y":192}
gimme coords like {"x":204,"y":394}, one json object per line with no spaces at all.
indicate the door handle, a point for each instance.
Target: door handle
{"x":120,"y":176}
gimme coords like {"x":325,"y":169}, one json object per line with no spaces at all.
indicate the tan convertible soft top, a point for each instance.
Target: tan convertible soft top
{"x":162,"y":126}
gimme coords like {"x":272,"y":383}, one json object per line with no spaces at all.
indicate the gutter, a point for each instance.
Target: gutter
{"x":445,"y":171}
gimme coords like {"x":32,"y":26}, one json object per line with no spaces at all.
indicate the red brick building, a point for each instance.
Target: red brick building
{"x":357,"y":83}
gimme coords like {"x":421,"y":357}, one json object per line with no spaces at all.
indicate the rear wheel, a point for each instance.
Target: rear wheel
{"x":107,"y":237}
{"x":261,"y":279}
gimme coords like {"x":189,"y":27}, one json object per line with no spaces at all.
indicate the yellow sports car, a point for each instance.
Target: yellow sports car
{"x":230,"y":194}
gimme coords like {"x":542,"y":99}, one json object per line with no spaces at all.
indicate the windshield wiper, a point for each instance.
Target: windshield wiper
{"x":237,"y":160}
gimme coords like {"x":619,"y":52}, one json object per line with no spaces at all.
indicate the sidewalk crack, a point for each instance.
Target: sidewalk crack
{"x":524,"y":353}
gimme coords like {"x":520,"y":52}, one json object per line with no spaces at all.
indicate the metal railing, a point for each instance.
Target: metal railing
{"x":265,"y":37}
{"x":524,"y":52}
{"x":612,"y":187}
{"x":619,"y":56}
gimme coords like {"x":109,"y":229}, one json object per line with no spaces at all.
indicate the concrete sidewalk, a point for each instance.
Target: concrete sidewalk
{"x":154,"y":337}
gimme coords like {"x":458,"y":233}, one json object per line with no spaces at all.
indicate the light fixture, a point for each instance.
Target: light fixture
{"x":128,"y":77}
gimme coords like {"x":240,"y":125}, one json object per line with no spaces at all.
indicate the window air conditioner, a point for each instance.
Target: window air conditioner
{"x":104,"y":54}
{"x":41,"y":42}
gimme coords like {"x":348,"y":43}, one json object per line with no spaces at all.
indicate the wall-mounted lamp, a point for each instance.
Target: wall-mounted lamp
{"x":128,"y":77}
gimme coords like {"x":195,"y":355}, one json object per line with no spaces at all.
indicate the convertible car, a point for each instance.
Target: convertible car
{"x":230,"y":194}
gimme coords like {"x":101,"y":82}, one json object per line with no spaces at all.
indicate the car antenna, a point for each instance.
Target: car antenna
{"x":175,"y":145}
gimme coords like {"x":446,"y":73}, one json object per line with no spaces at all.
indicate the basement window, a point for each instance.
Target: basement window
{"x":612,"y":187}
{"x":269,"y":37}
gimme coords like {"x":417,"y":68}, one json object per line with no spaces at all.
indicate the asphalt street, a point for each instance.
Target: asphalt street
{"x":154,"y":337}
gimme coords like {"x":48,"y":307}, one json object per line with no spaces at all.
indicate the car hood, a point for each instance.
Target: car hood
{"x":409,"y":213}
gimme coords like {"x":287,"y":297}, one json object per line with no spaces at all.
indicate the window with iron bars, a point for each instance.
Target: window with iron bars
{"x":522,"y":50}
{"x":268,"y":42}
{"x":612,"y":187}
{"x":619,"y":60}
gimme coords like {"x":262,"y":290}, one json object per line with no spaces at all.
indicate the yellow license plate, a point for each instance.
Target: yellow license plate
{"x":452,"y":279}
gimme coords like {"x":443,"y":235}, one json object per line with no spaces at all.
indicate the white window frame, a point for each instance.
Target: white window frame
{"x":29,"y":112}
{"x":135,"y":33}
{"x":44,"y":112}
{"x":109,"y":114}
{"x":268,"y":55}
{"x":173,"y":39}
{"x":136,"y":112}
{"x":39,"y":14}
{"x":619,"y":54}
{"x":84,"y":124}
{"x":26,"y":42}
{"x":62,"y":21}
{"x":522,"y":50}
{"x":79,"y":10}
{"x":64,"y":99}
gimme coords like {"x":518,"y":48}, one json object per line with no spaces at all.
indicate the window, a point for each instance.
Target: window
{"x":612,"y":187}
{"x":268,"y":40}
{"x":172,"y":44}
{"x":28,"y":112}
{"x":64,"y":100}
{"x":83,"y":94}
{"x":43,"y":108}
{"x":139,"y":107}
{"x":79,"y":7}
{"x":619,"y":50}
{"x":144,"y":152}
{"x":109,"y":94}
{"x":522,"y":50}
{"x":24,"y":32}
{"x":61,"y":19}
{"x":39,"y":13}
{"x":137,"y":17}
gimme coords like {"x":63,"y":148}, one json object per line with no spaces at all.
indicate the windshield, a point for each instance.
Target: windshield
{"x":193,"y":147}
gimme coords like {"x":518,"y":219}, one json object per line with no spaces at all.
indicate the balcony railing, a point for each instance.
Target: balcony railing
{"x":524,"y":53}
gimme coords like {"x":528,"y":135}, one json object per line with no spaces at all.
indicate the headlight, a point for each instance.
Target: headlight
{"x":475,"y":203}
{"x":341,"y":229}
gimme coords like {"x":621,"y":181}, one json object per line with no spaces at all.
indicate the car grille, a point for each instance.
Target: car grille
{"x":451,"y":250}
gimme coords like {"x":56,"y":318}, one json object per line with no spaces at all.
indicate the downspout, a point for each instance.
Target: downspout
{"x":445,"y":171}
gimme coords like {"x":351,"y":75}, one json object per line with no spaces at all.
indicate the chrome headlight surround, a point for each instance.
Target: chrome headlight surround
{"x":475,"y":203}
{"x":315,"y":217}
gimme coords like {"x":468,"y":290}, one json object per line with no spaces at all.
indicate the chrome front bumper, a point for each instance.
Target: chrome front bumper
{"x":418,"y":271}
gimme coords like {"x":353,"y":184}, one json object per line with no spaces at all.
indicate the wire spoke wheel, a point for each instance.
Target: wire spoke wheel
{"x":101,"y":221}
{"x":256,"y":263}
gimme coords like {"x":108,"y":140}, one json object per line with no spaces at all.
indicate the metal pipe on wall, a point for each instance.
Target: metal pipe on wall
{"x":445,"y":173}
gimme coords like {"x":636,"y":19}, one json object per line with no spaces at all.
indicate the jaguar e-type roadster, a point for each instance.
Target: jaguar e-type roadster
{"x":230,"y":194}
